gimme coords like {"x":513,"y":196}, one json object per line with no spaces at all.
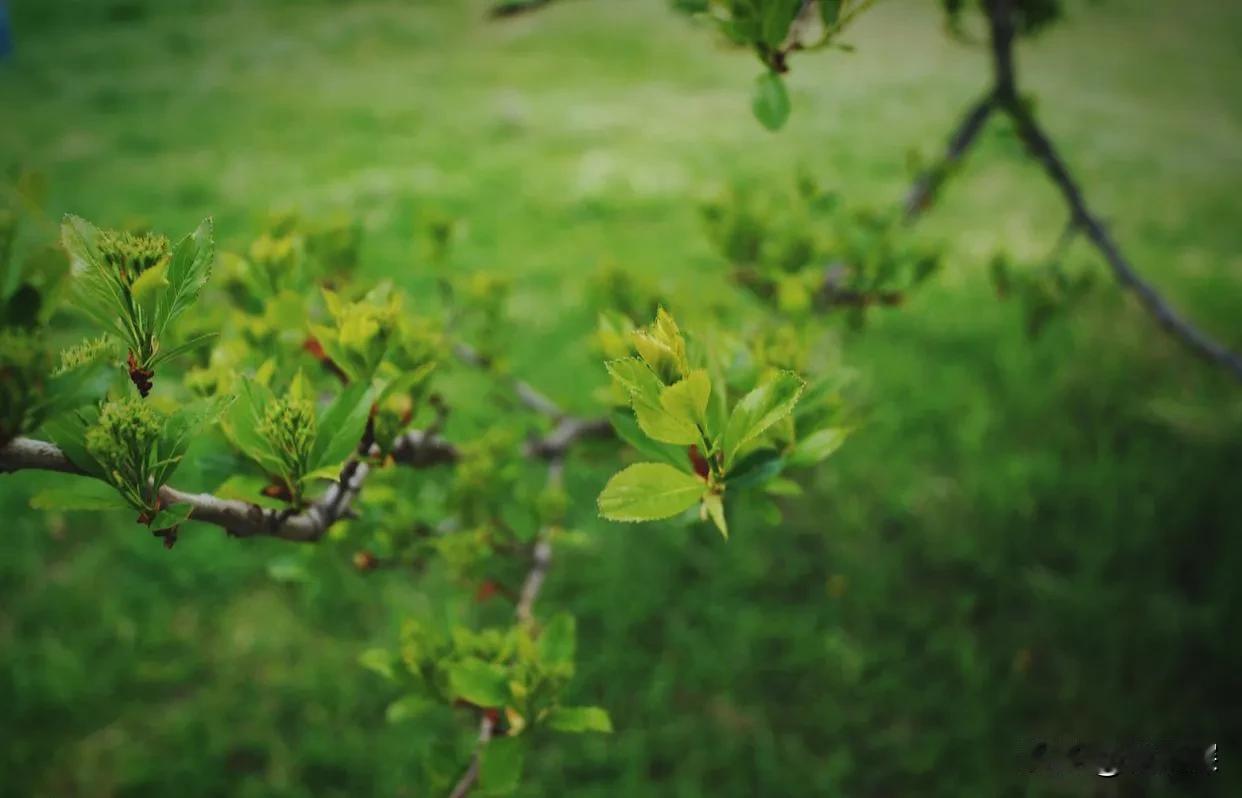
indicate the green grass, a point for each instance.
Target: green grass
{"x":1028,"y":539}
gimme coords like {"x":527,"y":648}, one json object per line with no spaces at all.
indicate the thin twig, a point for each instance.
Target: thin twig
{"x":529,"y":396}
{"x":1005,"y":98}
{"x":468,"y":779}
{"x":923,"y":192}
{"x":245,"y":519}
{"x":541,"y":555}
{"x":541,"y":561}
{"x":1192,"y":337}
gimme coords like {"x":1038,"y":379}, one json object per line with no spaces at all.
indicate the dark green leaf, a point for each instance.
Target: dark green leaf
{"x":755,"y":469}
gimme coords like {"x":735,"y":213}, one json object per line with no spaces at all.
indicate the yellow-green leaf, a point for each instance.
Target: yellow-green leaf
{"x":686,"y":399}
{"x":481,"y":683}
{"x":648,"y":492}
{"x":713,"y":505}
{"x":760,"y":409}
{"x":580,"y":719}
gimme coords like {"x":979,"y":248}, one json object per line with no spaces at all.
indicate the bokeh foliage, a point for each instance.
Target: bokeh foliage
{"x":1026,"y":539}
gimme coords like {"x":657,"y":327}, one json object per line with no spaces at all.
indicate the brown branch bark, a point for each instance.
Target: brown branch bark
{"x":415,"y":448}
{"x":923,"y":192}
{"x":1004,"y":97}
{"x":1197,"y":341}
{"x":467,"y":781}
{"x":245,"y":519}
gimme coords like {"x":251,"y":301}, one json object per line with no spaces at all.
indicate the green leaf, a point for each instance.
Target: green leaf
{"x":649,"y":491}
{"x":83,"y":494}
{"x":288,"y":570}
{"x":380,"y":661}
{"x":69,"y":433}
{"x":580,"y":719}
{"x":176,"y":351}
{"x":686,"y":399}
{"x":500,"y":765}
{"x":645,"y":391}
{"x":635,"y":378}
{"x":830,"y":12}
{"x":755,"y":468}
{"x":188,"y":270}
{"x":406,"y":708}
{"x":628,"y":430}
{"x":341,"y":427}
{"x":778,"y":15}
{"x":242,"y":424}
{"x":171,"y":518}
{"x":79,"y":238}
{"x":662,"y":347}
{"x":179,"y":431}
{"x":661,"y":425}
{"x":817,"y":446}
{"x":98,"y":294}
{"x":558,"y":640}
{"x":770,"y":102}
{"x":481,"y":683}
{"x":713,"y":504}
{"x":760,"y":409}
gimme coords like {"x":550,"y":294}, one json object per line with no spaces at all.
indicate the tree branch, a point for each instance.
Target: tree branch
{"x":1004,"y":97}
{"x":414,"y":448}
{"x":1042,"y":149}
{"x":920,"y":196}
{"x":468,"y":779}
{"x":527,"y":394}
{"x":245,"y":519}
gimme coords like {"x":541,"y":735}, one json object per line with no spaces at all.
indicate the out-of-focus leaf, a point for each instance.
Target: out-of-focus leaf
{"x":817,"y":446}
{"x":83,"y":494}
{"x":580,"y":719}
{"x":481,"y":683}
{"x":770,"y":102}
{"x":500,"y":765}
{"x":558,"y":640}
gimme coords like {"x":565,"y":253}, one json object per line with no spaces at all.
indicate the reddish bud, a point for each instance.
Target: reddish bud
{"x":313,"y":347}
{"x":699,"y":462}
{"x":486,"y":591}
{"x":278,"y":490}
{"x":141,"y":378}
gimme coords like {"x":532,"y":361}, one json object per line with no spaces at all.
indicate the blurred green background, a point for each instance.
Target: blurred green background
{"x":1028,"y":539}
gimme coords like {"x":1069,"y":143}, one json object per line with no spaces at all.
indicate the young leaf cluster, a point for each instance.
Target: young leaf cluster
{"x":702,"y":443}
{"x":291,"y":440}
{"x":134,"y":286}
{"x":805,"y":250}
{"x":516,"y":675}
